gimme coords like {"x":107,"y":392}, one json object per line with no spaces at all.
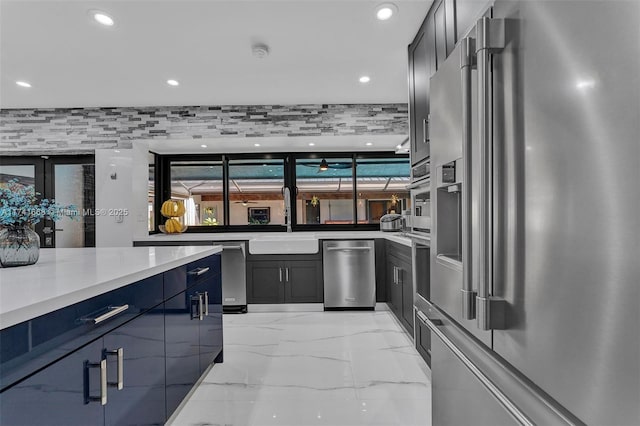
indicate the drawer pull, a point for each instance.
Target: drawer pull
{"x":112,"y":311}
{"x":199,"y":271}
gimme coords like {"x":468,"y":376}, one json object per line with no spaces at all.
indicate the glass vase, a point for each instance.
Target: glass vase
{"x":19,"y":246}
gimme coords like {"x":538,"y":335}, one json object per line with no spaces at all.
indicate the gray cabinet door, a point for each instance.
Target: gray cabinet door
{"x":265,"y":282}
{"x":406,"y":281}
{"x":421,"y":55}
{"x":303,"y":282}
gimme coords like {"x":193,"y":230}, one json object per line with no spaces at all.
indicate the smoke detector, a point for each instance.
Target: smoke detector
{"x":260,"y":50}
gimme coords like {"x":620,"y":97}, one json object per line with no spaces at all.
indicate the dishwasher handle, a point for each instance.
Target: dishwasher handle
{"x":335,"y":248}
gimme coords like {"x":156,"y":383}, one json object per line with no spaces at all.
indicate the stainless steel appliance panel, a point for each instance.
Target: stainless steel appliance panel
{"x":234,"y":275}
{"x":447,"y":119}
{"x":566,"y":124}
{"x":473,"y":386}
{"x":349,"y":274}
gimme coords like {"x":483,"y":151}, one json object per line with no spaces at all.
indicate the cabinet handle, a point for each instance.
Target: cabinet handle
{"x":286,"y":272}
{"x":206,"y":303}
{"x":395,"y":275}
{"x":112,"y":311}
{"x":200,"y":307}
{"x":280,"y":270}
{"x":119,"y":353}
{"x":194,"y":301}
{"x":334,"y":248}
{"x":399,"y":276}
{"x":199,"y":271}
{"x":102,"y":365}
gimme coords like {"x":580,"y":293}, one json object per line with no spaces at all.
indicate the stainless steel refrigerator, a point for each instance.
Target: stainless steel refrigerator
{"x":535,"y":155}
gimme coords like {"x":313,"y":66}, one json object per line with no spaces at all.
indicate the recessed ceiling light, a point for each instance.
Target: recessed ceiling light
{"x":23,"y":84}
{"x":365,"y":79}
{"x":369,"y":143}
{"x":203,"y":146}
{"x":256,"y":144}
{"x":385,"y":11}
{"x":311,"y":144}
{"x":172,"y":82}
{"x":103,"y":18}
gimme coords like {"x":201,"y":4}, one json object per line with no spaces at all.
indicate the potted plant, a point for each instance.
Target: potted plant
{"x":20,"y":210}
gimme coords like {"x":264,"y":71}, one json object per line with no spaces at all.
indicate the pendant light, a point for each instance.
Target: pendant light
{"x":323,"y":165}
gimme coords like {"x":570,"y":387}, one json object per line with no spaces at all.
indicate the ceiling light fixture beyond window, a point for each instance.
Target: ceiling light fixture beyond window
{"x":102,"y":18}
{"x":172,"y":82}
{"x":385,"y":11}
{"x":23,"y":84}
{"x":365,"y":79}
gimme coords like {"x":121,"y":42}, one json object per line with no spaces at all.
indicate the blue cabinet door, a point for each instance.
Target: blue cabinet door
{"x":210,"y":327}
{"x":136,"y":393}
{"x":181,"y":346}
{"x":60,"y":394}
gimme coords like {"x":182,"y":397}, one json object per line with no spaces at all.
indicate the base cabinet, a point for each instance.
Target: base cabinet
{"x":135,"y":363}
{"x":193,"y":326}
{"x":400,"y":289}
{"x":57,"y":394}
{"x":131,"y":367}
{"x":284,"y":279}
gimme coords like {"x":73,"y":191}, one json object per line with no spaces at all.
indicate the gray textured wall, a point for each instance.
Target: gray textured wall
{"x":85,"y":129}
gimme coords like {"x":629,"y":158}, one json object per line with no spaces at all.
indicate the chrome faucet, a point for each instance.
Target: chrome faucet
{"x":287,"y":208}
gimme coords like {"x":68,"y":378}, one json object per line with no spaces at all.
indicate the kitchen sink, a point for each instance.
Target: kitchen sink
{"x":284,"y":244}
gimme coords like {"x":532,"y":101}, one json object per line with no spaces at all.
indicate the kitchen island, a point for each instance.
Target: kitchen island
{"x":107,"y":335}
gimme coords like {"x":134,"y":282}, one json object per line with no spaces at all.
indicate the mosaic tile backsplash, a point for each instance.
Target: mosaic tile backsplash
{"x":85,"y":129}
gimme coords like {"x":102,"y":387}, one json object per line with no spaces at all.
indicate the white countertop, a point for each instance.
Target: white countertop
{"x":246,"y":236}
{"x":63,"y":277}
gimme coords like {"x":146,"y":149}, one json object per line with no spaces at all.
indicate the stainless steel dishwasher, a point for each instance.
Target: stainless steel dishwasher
{"x":349,"y":274}
{"x":234,"y":277}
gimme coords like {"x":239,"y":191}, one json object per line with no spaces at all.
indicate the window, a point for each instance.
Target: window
{"x":256,"y":192}
{"x":324,"y":196}
{"x":241,"y":191}
{"x":198,"y":184}
{"x":382,"y":187}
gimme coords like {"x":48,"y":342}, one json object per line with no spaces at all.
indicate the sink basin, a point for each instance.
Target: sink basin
{"x":284,"y":244}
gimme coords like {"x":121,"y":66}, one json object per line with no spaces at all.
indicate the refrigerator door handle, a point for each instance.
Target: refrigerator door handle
{"x":490,"y":39}
{"x":467,"y":63}
{"x":502,"y":398}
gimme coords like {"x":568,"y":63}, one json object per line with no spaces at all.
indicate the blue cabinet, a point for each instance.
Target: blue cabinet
{"x":58,"y":395}
{"x":135,"y":371}
{"x":122,"y":358}
{"x":193,"y":325}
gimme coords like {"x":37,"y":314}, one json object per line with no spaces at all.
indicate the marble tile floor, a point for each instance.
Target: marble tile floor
{"x":313,"y":368}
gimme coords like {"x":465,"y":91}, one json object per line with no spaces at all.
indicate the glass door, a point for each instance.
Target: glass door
{"x":66,"y":179}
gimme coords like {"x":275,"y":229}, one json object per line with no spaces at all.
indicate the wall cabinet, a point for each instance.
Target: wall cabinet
{"x":434,"y":41}
{"x":122,"y":358}
{"x":284,"y":279}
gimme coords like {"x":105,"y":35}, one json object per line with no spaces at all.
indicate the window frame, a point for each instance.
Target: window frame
{"x":163,"y":188}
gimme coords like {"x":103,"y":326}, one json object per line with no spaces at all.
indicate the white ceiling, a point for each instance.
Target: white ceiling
{"x":319,"y":49}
